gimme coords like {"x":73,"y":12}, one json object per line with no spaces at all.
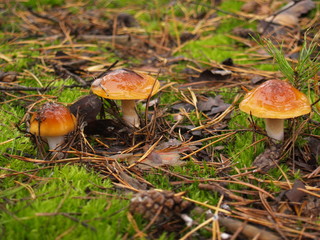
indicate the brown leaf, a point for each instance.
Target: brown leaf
{"x":126,"y":20}
{"x":213,"y":105}
{"x":295,"y":194}
{"x":214,"y":75}
{"x":87,"y":108}
{"x":266,"y":160}
{"x":168,"y":153}
{"x":299,"y":7}
{"x":8,"y":76}
{"x":284,"y":19}
{"x":314,"y":145}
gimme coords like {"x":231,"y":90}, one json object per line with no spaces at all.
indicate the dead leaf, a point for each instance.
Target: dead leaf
{"x":284,"y":19}
{"x":295,"y":194}
{"x":288,"y":16}
{"x":87,"y":108}
{"x":298,"y":7}
{"x":214,"y":75}
{"x":212,"y":105}
{"x":132,"y":181}
{"x":8,"y":76}
{"x":266,"y":160}
{"x":187,"y":106}
{"x":314,"y":145}
{"x":250,"y":7}
{"x":257,"y":79}
{"x":188,"y":36}
{"x":167,"y":154}
{"x":243,"y":32}
{"x":126,"y":20}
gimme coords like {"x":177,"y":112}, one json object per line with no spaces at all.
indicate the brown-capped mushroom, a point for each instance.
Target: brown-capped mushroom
{"x":275,"y":100}
{"x":52,"y":122}
{"x":127,"y":86}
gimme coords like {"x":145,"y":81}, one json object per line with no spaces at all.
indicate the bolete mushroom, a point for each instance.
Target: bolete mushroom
{"x":52,"y":122}
{"x":127,"y":86}
{"x":275,"y":100}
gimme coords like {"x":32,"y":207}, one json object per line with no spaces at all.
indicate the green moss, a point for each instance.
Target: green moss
{"x":61,"y":203}
{"x":38,"y":4}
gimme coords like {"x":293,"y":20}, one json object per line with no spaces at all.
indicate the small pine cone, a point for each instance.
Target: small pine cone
{"x":166,"y":204}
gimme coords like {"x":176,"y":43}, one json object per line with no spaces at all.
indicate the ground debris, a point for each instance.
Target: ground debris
{"x":161,"y":208}
{"x":246,"y":230}
{"x":212,"y":105}
{"x":199,"y":118}
{"x":268,"y":159}
{"x":8,"y":76}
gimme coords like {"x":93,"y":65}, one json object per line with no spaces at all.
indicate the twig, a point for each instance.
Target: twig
{"x":248,"y":230}
{"x":41,"y":89}
{"x":72,"y":75}
{"x":46,"y":17}
{"x":67,"y":215}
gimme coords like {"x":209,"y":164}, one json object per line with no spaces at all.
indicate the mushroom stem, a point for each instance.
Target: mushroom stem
{"x":55,"y":142}
{"x":274,"y":128}
{"x":129,"y":113}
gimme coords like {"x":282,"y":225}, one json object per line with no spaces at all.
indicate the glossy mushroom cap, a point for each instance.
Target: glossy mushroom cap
{"x":123,"y":84}
{"x":275,"y":99}
{"x":52,"y":120}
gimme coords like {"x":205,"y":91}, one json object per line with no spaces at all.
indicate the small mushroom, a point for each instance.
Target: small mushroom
{"x":127,"y":86}
{"x":275,"y":100}
{"x":52,"y":122}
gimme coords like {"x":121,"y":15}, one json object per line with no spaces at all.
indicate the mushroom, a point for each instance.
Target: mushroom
{"x":52,"y":122}
{"x":275,"y":100}
{"x":127,"y":86}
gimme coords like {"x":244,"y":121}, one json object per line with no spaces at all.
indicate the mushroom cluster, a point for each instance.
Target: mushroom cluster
{"x":52,"y":122}
{"x":127,"y":86}
{"x":275,"y":100}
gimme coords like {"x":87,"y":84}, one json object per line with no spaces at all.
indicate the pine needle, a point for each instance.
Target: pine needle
{"x":304,"y":69}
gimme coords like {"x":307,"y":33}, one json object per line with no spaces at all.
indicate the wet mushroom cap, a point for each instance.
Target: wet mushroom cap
{"x":125,"y":85}
{"x":275,"y":99}
{"x":52,"y":120}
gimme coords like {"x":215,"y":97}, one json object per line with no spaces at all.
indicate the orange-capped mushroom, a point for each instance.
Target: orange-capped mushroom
{"x":52,"y":122}
{"x":275,"y":100}
{"x":127,"y":86}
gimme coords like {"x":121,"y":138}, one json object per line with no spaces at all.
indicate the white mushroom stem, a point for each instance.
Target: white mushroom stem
{"x":275,"y":128}
{"x":129,"y":113}
{"x":55,"y":142}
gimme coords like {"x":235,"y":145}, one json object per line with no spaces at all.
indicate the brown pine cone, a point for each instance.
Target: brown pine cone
{"x":165,"y":204}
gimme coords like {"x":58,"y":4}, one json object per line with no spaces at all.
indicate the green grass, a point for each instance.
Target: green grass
{"x":59,"y":201}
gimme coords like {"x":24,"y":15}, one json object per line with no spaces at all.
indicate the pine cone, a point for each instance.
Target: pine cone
{"x":165,"y":204}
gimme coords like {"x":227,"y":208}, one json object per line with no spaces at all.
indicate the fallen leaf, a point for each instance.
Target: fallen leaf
{"x":8,"y":76}
{"x":288,"y":16}
{"x":187,"y":106}
{"x":250,"y":7}
{"x":86,"y":108}
{"x":295,"y":194}
{"x":168,"y":154}
{"x":212,"y":105}
{"x":132,"y":181}
{"x":266,"y":160}
{"x":298,"y":8}
{"x":284,"y":19}
{"x":314,"y":145}
{"x":187,"y":36}
{"x":214,"y":75}
{"x":126,"y":20}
